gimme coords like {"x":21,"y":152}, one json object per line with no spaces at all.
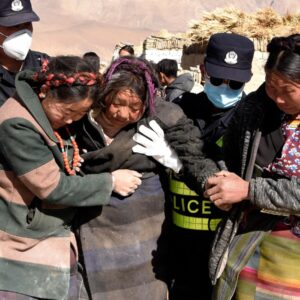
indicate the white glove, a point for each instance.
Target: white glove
{"x":151,"y":142}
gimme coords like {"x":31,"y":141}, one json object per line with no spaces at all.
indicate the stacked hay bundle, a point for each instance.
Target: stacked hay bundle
{"x":260,"y":26}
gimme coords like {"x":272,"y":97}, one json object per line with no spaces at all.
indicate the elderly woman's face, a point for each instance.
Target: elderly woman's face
{"x":60,"y":113}
{"x":284,"y":92}
{"x":126,"y":108}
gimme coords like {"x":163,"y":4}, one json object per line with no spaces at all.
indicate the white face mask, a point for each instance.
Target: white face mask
{"x":17,"y":44}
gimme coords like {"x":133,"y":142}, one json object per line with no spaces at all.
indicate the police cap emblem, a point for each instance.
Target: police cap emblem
{"x":17,"y":5}
{"x":231,"y":58}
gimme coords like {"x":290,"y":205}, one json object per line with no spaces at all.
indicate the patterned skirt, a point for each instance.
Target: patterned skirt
{"x":273,"y":271}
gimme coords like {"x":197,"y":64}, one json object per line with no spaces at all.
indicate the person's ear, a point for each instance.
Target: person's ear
{"x":202,"y":69}
{"x":161,"y":77}
{"x":203,"y":72}
{"x":165,"y":80}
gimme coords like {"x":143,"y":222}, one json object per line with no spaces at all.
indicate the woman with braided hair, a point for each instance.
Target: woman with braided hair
{"x":39,"y":192}
{"x":124,"y":244}
{"x":256,"y":253}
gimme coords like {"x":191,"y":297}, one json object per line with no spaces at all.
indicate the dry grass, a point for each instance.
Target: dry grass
{"x":220,"y":20}
{"x":262,"y":24}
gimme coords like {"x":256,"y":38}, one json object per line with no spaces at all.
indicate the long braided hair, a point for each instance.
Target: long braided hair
{"x":135,"y":74}
{"x":68,"y":79}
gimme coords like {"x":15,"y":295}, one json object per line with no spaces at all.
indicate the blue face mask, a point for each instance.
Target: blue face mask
{"x":222,"y":96}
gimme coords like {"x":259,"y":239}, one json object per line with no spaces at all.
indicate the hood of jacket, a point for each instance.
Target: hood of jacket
{"x":183,"y":83}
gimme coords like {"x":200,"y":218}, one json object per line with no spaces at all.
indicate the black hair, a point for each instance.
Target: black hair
{"x":93,"y":58}
{"x":167,"y":66}
{"x":284,"y":56}
{"x":68,"y":79}
{"x":128,"y":49}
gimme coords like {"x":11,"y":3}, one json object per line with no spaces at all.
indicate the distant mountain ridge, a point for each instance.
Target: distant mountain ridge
{"x":76,"y":26}
{"x":154,"y":14}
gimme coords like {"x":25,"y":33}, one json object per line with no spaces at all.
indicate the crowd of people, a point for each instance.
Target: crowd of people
{"x":124,"y":184}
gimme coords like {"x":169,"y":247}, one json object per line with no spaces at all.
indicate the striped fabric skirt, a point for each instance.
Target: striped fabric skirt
{"x":125,"y":247}
{"x":273,"y":271}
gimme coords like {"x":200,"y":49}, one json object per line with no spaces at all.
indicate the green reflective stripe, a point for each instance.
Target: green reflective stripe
{"x":214,"y":223}
{"x":219,"y":142}
{"x":204,"y":224}
{"x":179,"y":188}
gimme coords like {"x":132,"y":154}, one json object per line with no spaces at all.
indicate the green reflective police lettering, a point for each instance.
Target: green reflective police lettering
{"x":206,"y":207}
{"x":193,"y":211}
{"x":192,"y":206}
{"x":182,"y":204}
{"x":175,"y":203}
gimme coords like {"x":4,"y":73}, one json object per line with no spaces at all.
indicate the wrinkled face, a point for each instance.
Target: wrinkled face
{"x":60,"y":114}
{"x":126,"y":108}
{"x":284,"y":92}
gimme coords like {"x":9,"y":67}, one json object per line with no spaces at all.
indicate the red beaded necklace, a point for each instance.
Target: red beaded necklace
{"x":64,"y":154}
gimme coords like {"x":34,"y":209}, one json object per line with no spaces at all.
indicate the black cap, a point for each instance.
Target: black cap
{"x":15,"y":12}
{"x":229,"y":56}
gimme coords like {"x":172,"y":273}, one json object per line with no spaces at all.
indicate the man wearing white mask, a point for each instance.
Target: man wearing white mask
{"x":16,"y":17}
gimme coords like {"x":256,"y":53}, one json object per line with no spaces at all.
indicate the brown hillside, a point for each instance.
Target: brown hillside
{"x":76,"y":26}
